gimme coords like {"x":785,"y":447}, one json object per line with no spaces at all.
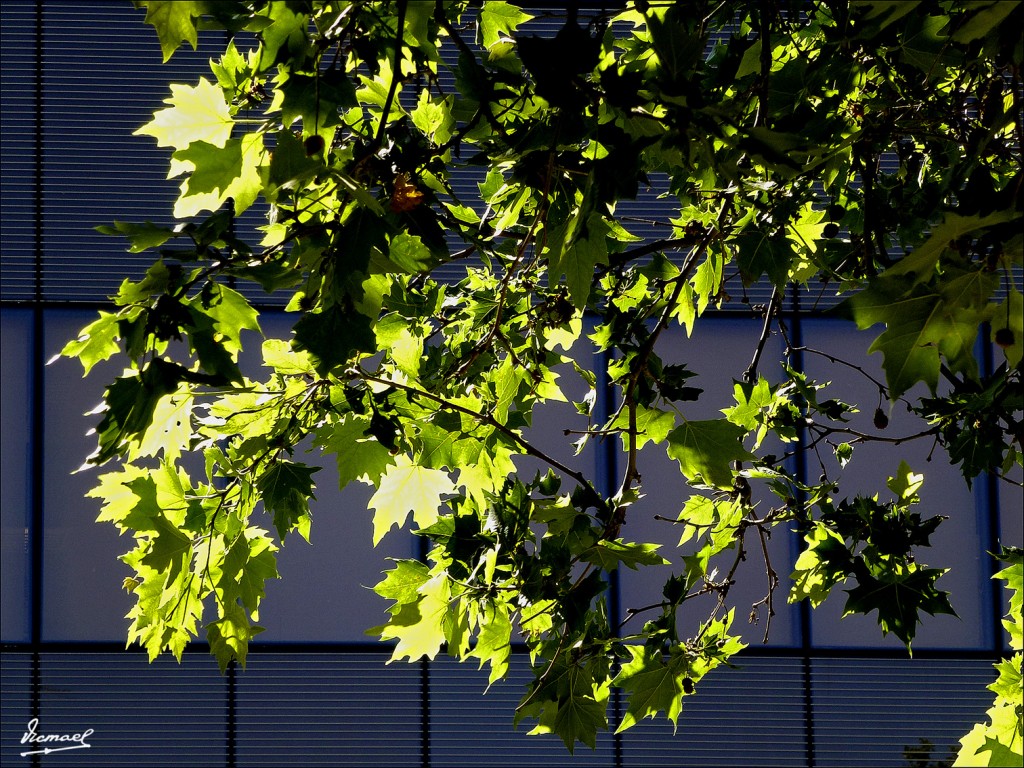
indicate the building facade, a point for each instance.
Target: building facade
{"x":77,"y":79}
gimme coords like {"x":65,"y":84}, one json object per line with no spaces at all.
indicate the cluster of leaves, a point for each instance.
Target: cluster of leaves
{"x":872,"y":543}
{"x":1000,"y":741}
{"x":349,"y":120}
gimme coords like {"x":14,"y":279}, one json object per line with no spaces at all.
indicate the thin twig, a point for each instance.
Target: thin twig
{"x":396,"y":72}
{"x":773,"y":582}
{"x":773,"y":305}
{"x":490,"y":421}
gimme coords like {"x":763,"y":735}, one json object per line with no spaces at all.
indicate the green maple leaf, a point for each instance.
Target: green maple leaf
{"x":95,"y":343}
{"x":579,"y":718}
{"x":652,"y":425}
{"x":332,"y":336}
{"x":289,"y":164}
{"x":208,"y":345}
{"x":231,"y":314}
{"x":920,"y":264}
{"x":174,"y":23}
{"x":608,"y":555}
{"x":279,"y":355}
{"x":286,"y":489}
{"x":507,"y":380}
{"x":410,"y":253}
{"x":242,"y":414}
{"x":1009,"y":686}
{"x":219,"y":173}
{"x":925,"y":47}
{"x":922,"y":322}
{"x":402,"y":583}
{"x":419,"y":626}
{"x":759,"y":253}
{"x":999,"y":742}
{"x":131,"y":402}
{"x":140,"y":236}
{"x":169,"y":550}
{"x":577,"y":259}
{"x":705,"y":450}
{"x":287,"y":30}
{"x":443,"y":445}
{"x":229,"y":636}
{"x":905,"y":484}
{"x":494,"y":642}
{"x":498,"y":18}
{"x":825,"y":563}
{"x":570,"y":705}
{"x":118,"y":497}
{"x":197,"y":113}
{"x":699,"y":513}
{"x":434,"y":117}
{"x":652,"y":685}
{"x":167,"y":610}
{"x":406,"y":487}
{"x":359,"y":457}
{"x":1013,"y":575}
{"x":908,"y":355}
{"x":751,"y":399}
{"x":898,"y":594}
{"x":707,"y":280}
{"x":246,"y":566}
{"x":696,"y":565}
{"x":171,"y":430}
{"x":159,"y":499}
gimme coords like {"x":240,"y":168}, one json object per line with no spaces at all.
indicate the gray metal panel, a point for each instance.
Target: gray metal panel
{"x":868,"y":711}
{"x":15,"y":480}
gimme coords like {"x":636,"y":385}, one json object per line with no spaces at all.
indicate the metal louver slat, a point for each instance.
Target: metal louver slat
{"x":17,"y":150}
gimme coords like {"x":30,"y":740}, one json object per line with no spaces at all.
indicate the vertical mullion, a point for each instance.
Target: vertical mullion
{"x":422,"y":550}
{"x":988,"y":516}
{"x":606,"y":463}
{"x":425,"y":713}
{"x":37,"y":418}
{"x":800,"y":469}
{"x":231,"y":726}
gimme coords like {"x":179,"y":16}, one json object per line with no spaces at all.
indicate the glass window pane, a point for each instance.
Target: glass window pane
{"x":15,"y":478}
{"x":1011,"y":502}
{"x":957,"y":543}
{"x":719,"y":352}
{"x":325,"y":593}
{"x":82,"y":594}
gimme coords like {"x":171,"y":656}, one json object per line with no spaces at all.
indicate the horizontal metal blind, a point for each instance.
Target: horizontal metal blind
{"x":18,"y":149}
{"x":351,"y":708}
{"x":102,"y":77}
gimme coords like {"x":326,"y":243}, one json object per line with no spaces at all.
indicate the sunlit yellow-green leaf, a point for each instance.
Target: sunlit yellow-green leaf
{"x":408,"y":488}
{"x":197,"y":113}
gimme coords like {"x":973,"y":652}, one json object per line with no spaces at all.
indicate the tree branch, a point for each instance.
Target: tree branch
{"x":396,"y":73}
{"x":490,"y":421}
{"x":750,"y":374}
